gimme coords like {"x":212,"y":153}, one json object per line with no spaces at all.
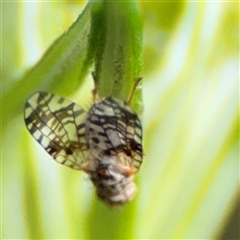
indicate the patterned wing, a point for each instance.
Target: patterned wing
{"x":112,"y":127}
{"x":58,"y":125}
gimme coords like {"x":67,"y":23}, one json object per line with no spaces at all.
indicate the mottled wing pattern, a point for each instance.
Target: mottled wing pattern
{"x":112,"y":127}
{"x":58,"y":125}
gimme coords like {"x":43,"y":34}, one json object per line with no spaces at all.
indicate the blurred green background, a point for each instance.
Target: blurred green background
{"x":188,"y":185}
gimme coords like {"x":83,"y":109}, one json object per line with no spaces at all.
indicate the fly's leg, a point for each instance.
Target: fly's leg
{"x":138,"y":80}
{"x":96,"y":97}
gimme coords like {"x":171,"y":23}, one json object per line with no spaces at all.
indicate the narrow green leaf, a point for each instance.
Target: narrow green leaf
{"x":61,"y":70}
{"x":118,"y":45}
{"x":31,"y":199}
{"x":116,"y":48}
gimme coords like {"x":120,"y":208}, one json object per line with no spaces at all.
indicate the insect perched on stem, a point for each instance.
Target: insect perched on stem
{"x":105,"y":142}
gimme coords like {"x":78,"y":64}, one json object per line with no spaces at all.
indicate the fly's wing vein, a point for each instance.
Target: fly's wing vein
{"x":58,"y":125}
{"x":113,"y":128}
{"x":130,"y":131}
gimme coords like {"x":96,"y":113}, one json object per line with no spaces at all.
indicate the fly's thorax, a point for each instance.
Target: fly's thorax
{"x":114,"y":183}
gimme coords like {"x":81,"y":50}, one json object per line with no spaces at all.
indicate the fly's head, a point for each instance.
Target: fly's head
{"x":114,"y":183}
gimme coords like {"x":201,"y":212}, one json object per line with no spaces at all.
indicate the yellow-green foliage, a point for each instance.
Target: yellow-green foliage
{"x":188,"y":183}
